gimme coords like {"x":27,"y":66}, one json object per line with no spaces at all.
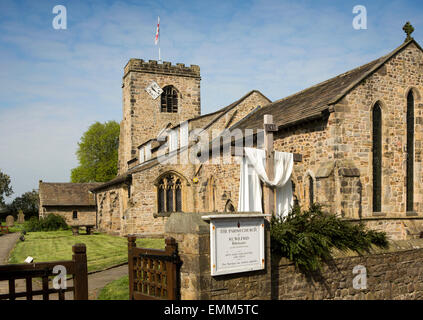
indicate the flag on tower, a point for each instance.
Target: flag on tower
{"x":156,"y":40}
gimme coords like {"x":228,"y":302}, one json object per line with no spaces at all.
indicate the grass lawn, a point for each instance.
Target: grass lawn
{"x":102,"y":250}
{"x":116,"y":290}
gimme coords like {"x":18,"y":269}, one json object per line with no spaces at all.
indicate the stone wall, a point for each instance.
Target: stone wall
{"x":192,"y":235}
{"x":313,"y":141}
{"x":86,"y":215}
{"x":112,"y":205}
{"x":389,"y":86}
{"x":394,"y":274}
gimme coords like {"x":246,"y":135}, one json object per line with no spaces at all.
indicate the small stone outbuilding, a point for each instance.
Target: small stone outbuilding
{"x":73,"y":201}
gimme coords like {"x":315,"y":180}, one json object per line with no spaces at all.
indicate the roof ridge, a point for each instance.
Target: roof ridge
{"x":313,"y":100}
{"x":326,"y":81}
{"x":383,"y":60}
{"x":72,"y":183}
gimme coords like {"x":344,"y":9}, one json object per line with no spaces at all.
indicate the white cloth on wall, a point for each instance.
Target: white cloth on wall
{"x":141,"y":154}
{"x":250,"y":191}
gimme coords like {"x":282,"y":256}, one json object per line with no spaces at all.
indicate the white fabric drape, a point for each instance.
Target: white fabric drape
{"x":249,"y":189}
{"x":253,"y":169}
{"x":141,"y":154}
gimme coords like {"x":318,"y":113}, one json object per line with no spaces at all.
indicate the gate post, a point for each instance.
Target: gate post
{"x":80,"y":281}
{"x":131,"y":244}
{"x":171,"y":249}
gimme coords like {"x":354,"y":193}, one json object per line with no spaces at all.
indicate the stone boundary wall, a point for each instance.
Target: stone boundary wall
{"x":396,"y":274}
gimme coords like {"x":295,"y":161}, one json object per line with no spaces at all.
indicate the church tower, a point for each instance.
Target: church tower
{"x":154,"y":96}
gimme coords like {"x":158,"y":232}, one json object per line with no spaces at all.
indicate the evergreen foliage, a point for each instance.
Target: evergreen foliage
{"x":308,"y":237}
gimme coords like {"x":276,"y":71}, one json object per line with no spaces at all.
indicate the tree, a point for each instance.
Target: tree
{"x":5,"y":188}
{"x":97,"y":153}
{"x":27,"y":202}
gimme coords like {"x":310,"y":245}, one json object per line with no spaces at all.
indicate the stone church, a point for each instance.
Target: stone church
{"x":359,"y":134}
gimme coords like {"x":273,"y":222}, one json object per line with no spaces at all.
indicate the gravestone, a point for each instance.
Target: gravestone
{"x":10,"y":221}
{"x":21,"y":217}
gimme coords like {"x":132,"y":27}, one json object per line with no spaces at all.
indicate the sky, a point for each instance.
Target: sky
{"x":55,"y":83}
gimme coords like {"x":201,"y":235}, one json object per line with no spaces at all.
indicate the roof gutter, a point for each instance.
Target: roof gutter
{"x":127,"y":178}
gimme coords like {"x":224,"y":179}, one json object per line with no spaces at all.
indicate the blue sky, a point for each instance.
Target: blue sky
{"x":55,"y":83}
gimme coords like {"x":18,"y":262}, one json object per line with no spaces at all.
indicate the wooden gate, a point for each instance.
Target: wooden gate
{"x":76,"y":267}
{"x":153,"y":274}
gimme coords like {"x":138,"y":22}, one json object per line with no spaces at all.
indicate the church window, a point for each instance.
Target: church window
{"x":170,"y":194}
{"x":377,"y":158}
{"x":294,"y":194}
{"x":169,"y":100}
{"x":311,"y":190}
{"x":410,"y":151}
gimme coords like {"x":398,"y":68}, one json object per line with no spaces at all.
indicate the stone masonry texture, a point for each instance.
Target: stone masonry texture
{"x":336,"y":150}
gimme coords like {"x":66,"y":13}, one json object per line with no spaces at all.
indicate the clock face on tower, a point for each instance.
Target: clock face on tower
{"x":154,"y":90}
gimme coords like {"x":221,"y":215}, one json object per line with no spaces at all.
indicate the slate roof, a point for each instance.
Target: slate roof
{"x":311,"y":102}
{"x":67,"y":194}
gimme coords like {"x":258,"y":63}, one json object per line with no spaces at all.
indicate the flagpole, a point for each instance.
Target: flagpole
{"x":160,"y":60}
{"x":158,"y":37}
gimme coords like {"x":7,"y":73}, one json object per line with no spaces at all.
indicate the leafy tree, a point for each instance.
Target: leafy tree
{"x":27,"y":202}
{"x":308,"y":237}
{"x":5,"y":188}
{"x":97,"y":153}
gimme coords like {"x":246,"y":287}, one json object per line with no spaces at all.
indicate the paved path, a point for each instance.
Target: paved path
{"x":97,"y":281}
{"x":7,"y":242}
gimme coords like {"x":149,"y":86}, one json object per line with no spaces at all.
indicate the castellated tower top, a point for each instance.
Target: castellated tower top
{"x":166,"y":68}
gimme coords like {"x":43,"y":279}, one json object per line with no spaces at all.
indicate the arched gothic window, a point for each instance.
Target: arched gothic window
{"x":377,"y":158}
{"x":169,"y":100}
{"x":310,"y":190}
{"x":169,"y":194}
{"x":410,"y":151}
{"x":294,"y":194}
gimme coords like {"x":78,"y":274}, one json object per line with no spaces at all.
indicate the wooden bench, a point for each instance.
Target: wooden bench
{"x":88,"y":227}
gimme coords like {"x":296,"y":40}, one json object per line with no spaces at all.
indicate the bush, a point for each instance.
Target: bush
{"x":52,"y":222}
{"x":308,"y":237}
